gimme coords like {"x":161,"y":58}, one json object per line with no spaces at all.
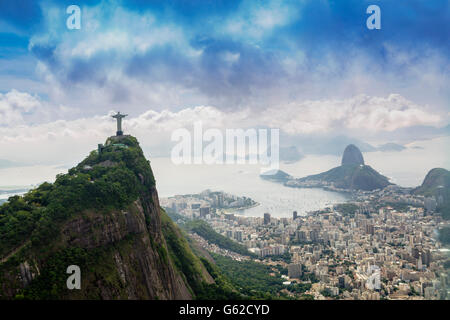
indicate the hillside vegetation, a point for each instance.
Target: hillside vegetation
{"x":204,"y":230}
{"x":437,"y":184}
{"x":39,"y":212}
{"x":103,"y":216}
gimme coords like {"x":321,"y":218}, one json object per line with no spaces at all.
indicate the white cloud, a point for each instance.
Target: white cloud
{"x":90,"y":69}
{"x":256,"y":20}
{"x":13,"y":106}
{"x":121,"y":31}
{"x":65,"y":141}
{"x":119,"y":60}
{"x":360,"y":112}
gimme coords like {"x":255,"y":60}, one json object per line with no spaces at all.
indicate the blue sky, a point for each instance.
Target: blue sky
{"x":324,"y":40}
{"x":263,"y":63}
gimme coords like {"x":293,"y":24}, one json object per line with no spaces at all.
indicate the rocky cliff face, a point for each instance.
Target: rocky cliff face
{"x":352,"y":156}
{"x":116,"y":239}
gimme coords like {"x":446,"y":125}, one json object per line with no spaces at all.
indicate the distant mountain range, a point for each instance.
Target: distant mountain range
{"x":389,"y":147}
{"x":290,"y":154}
{"x":323,"y":145}
{"x":286,"y":154}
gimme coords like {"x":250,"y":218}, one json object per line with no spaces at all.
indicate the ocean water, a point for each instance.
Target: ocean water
{"x":406,"y":168}
{"x":241,"y":180}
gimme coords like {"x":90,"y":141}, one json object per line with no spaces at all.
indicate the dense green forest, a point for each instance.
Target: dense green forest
{"x":185,"y":260}
{"x":251,"y":278}
{"x":102,"y":181}
{"x":254,"y":279}
{"x":204,"y":230}
{"x":346,"y":209}
{"x":398,"y":206}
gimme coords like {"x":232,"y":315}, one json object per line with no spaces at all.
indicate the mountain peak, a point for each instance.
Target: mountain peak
{"x":352,"y":156}
{"x":104,"y":217}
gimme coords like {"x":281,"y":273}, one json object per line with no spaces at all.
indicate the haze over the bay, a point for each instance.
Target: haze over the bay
{"x":244,"y":180}
{"x":308,"y":68}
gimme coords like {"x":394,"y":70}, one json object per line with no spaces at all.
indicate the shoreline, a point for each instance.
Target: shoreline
{"x":347,"y":192}
{"x":230,"y":210}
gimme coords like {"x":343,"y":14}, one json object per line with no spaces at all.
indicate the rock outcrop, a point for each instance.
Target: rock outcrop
{"x":352,"y":156}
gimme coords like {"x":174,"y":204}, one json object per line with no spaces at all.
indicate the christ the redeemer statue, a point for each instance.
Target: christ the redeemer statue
{"x":119,"y":117}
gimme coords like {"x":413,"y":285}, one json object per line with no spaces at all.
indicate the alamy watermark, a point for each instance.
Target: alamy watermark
{"x":236,"y":146}
{"x":74,"y":20}
{"x":374,"y":20}
{"x":74,"y":280}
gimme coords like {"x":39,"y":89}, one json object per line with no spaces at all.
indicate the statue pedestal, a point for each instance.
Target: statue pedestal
{"x":119,"y":133}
